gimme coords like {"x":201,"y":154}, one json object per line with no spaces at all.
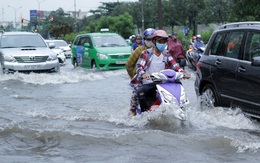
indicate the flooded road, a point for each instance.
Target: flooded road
{"x":82,"y":116}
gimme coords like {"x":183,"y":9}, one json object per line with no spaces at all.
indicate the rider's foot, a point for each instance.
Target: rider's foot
{"x":132,"y":113}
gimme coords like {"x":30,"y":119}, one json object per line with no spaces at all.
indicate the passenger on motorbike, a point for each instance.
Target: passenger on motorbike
{"x":152,"y":60}
{"x":192,"y":40}
{"x":176,"y":50}
{"x":138,"y":42}
{"x":132,"y":60}
{"x":198,"y":43}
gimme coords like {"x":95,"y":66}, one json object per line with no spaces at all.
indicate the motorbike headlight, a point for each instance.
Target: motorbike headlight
{"x":168,"y":98}
{"x":9,"y":58}
{"x":102,"y":56}
{"x":184,"y":100}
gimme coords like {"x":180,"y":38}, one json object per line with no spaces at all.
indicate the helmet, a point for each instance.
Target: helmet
{"x":198,"y":36}
{"x":138,"y":37}
{"x":160,"y":34}
{"x":174,"y":34}
{"x":148,"y":33}
{"x":133,"y":36}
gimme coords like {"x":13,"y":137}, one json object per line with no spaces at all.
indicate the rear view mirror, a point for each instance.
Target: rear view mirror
{"x":86,"y":45}
{"x":256,"y":61}
{"x":52,"y":45}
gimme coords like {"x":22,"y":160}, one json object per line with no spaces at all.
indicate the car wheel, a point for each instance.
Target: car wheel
{"x":1,"y":70}
{"x":93,"y":64}
{"x":75,"y":64}
{"x":61,"y":61}
{"x":209,"y":98}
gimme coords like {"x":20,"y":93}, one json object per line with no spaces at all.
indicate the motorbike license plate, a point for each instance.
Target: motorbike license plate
{"x":31,"y":67}
{"x":120,"y":62}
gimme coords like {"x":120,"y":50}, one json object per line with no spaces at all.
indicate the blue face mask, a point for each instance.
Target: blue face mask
{"x":160,"y":47}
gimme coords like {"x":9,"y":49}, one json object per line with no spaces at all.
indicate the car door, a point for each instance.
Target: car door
{"x":225,"y":66}
{"x":87,"y":51}
{"x":75,"y":45}
{"x":248,"y":75}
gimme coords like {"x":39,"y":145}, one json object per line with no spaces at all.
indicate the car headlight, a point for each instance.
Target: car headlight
{"x":102,"y":56}
{"x":9,"y":58}
{"x":52,"y":58}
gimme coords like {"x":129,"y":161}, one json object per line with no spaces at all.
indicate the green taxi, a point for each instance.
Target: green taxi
{"x":104,"y":51}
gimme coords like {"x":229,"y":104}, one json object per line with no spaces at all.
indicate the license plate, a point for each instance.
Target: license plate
{"x":120,"y":62}
{"x":31,"y":67}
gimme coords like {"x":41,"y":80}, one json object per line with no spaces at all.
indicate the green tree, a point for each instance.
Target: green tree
{"x":122,"y":24}
{"x":245,"y":10}
{"x":59,"y":23}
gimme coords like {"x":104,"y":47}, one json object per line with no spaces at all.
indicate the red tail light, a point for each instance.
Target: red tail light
{"x":198,"y":65}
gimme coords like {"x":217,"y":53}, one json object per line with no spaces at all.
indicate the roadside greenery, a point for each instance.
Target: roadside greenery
{"x":124,"y":17}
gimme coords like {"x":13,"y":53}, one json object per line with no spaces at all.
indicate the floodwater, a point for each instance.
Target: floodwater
{"x":82,"y":116}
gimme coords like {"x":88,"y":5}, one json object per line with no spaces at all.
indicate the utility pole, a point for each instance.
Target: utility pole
{"x":142,"y":15}
{"x":3,"y":13}
{"x":15,"y":9}
{"x":39,"y":4}
{"x":75,"y":10}
{"x":160,"y":17}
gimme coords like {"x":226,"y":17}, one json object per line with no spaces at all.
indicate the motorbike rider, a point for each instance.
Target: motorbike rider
{"x":132,"y":39}
{"x":176,"y":50}
{"x":198,"y":43}
{"x":192,"y":40}
{"x":131,"y":65}
{"x":152,"y":60}
{"x":132,"y":60}
{"x":138,"y":42}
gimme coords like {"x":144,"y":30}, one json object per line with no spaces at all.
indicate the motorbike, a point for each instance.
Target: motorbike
{"x":170,"y":94}
{"x":191,"y":57}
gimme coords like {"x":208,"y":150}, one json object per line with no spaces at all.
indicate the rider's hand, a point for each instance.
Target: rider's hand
{"x":187,"y":76}
{"x":146,"y":76}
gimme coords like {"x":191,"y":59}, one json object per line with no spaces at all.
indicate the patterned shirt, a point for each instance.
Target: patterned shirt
{"x":144,"y":63}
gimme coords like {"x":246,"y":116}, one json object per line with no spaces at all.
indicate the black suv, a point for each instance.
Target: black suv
{"x":228,"y":73}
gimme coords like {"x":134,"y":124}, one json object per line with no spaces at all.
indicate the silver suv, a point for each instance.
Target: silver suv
{"x":26,"y":52}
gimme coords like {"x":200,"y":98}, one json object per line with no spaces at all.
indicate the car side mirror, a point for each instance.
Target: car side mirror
{"x":51,"y":45}
{"x":256,"y":61}
{"x":87,"y":45}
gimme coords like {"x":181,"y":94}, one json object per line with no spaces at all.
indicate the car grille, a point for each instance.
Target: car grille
{"x":31,"y":59}
{"x":119,"y":56}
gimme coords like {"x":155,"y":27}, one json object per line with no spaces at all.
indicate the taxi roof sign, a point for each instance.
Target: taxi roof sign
{"x":104,"y":30}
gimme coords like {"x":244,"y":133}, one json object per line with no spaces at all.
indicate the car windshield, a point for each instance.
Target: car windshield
{"x":109,"y":41}
{"x":20,"y":41}
{"x":60,"y":43}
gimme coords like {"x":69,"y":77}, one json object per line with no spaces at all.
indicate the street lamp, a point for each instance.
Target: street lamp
{"x":39,"y":4}
{"x":15,"y":9}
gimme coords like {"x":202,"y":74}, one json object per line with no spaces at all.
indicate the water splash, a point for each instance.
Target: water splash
{"x":72,"y":76}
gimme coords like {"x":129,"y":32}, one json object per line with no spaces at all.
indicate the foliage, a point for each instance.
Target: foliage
{"x":125,"y":17}
{"x":59,"y":23}
{"x":206,"y":34}
{"x":122,"y":24}
{"x":246,"y":10}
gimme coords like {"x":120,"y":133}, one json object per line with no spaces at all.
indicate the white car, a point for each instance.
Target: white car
{"x":26,"y":52}
{"x":58,"y":51}
{"x":64,"y":47}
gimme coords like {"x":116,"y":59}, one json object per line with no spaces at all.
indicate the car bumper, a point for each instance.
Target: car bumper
{"x":196,"y":85}
{"x":111,"y":64}
{"x":41,"y":66}
{"x":67,"y":54}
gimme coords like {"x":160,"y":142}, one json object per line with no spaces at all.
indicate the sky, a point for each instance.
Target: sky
{"x":8,"y":8}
